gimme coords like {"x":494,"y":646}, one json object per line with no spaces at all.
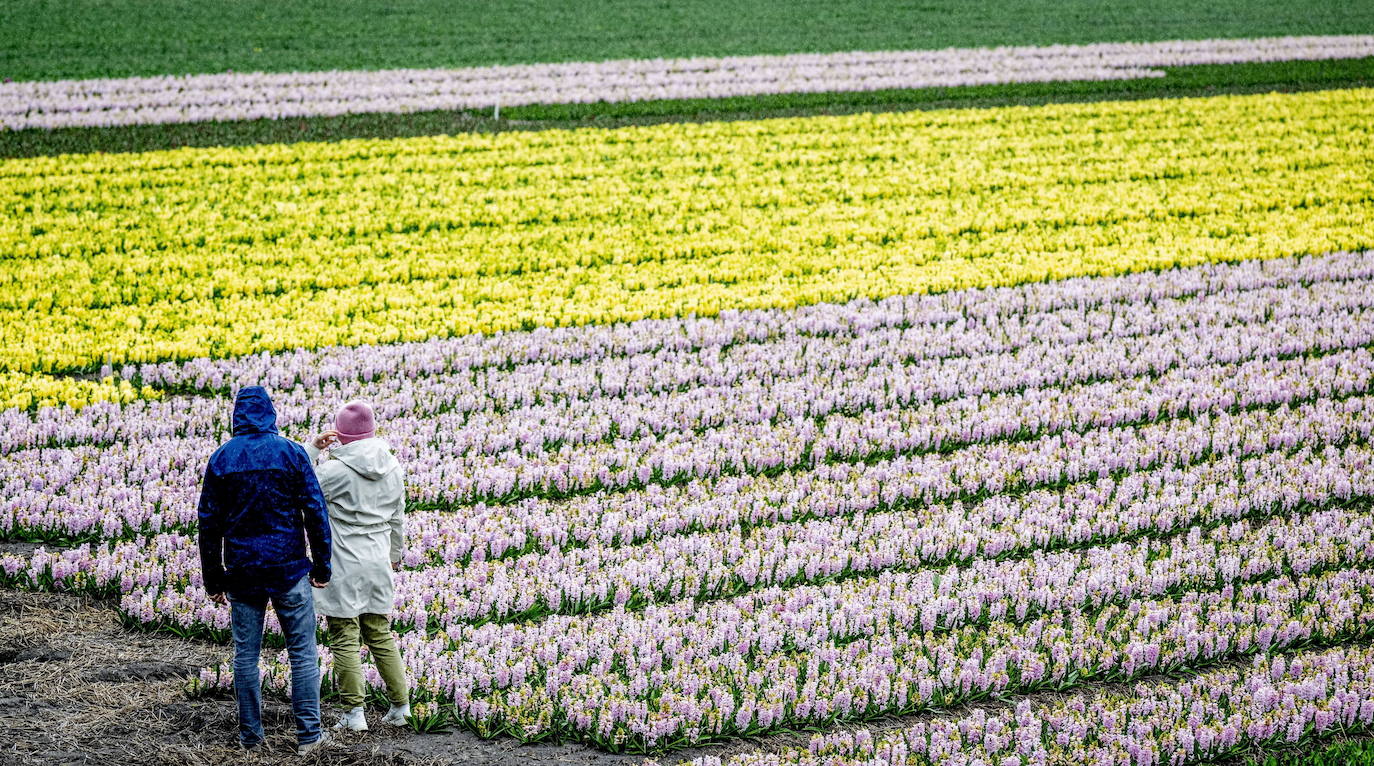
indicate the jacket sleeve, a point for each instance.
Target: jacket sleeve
{"x":398,"y":526}
{"x":210,"y":538}
{"x":316,"y":520}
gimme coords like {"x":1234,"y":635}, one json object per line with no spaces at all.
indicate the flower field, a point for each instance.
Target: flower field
{"x":123,"y":258}
{"x":667,"y":532}
{"x":1026,"y":434}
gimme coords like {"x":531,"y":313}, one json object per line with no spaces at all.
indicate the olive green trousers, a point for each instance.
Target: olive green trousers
{"x":346,"y":637}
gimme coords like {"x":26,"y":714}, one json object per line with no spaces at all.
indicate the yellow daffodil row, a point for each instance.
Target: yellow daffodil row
{"x":165,"y":255}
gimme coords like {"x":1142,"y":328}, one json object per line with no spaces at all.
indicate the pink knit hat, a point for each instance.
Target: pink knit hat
{"x":355,"y":422}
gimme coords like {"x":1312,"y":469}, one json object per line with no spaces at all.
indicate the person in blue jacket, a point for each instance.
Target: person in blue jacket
{"x":259,"y":506}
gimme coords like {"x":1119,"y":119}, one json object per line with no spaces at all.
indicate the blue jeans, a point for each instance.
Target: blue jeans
{"x":296,"y":613}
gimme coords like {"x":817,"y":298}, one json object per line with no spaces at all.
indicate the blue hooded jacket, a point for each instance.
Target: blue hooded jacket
{"x":258,"y":505}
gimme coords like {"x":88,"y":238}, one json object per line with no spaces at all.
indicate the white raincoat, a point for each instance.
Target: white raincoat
{"x":364,"y":487}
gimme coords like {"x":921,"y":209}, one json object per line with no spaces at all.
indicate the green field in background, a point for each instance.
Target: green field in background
{"x":53,"y":39}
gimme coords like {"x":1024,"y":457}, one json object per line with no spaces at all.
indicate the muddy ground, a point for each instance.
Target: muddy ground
{"x":77,"y":688}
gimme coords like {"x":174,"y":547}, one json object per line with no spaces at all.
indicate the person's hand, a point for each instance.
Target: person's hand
{"x":316,"y":583}
{"x":324,"y":440}
{"x":219,"y":598}
{"x":395,"y":566}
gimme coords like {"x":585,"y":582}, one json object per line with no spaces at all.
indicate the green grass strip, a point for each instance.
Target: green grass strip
{"x":1284,"y":76}
{"x":58,"y":39}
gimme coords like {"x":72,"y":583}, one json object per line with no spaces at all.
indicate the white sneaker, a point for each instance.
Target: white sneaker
{"x":397,"y":715}
{"x":311,"y":747}
{"x":353,"y":720}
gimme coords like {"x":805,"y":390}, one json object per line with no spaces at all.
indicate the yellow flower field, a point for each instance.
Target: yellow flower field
{"x":168,"y":255}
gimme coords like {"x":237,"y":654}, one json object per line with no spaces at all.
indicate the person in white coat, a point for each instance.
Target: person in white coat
{"x":364,"y":490}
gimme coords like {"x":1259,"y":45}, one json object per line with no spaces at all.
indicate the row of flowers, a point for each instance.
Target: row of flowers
{"x":158,"y":578}
{"x":579,"y":367}
{"x":717,"y":565}
{"x":258,"y":95}
{"x":619,"y":697}
{"x":147,"y":482}
{"x":876,"y":430}
{"x":152,"y":485}
{"x":710,"y":565}
{"x":22,"y":393}
{"x":1223,"y":493}
{"x":1284,"y":700}
{"x":537,"y":407}
{"x":532,"y":405}
{"x":629,"y":358}
{"x":120,"y":259}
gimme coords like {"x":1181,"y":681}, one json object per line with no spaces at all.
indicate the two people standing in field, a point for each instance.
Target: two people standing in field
{"x":280,"y":526}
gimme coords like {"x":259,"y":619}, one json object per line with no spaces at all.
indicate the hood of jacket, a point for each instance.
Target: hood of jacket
{"x":370,"y":458}
{"x":253,"y":412}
